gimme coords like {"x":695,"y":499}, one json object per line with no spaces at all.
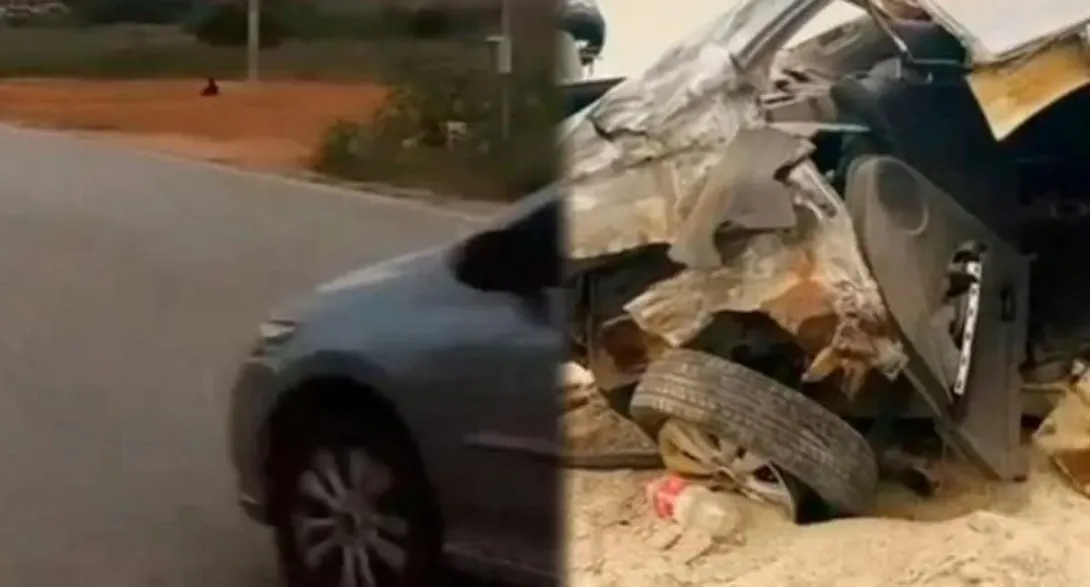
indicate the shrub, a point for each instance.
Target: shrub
{"x":441,"y":22}
{"x":429,"y":23}
{"x":130,"y":11}
{"x":225,"y":25}
{"x":407,"y":143}
{"x":341,"y":146}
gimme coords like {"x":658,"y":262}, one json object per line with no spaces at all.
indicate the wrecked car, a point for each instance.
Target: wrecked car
{"x":775,"y":258}
{"x":776,"y":254}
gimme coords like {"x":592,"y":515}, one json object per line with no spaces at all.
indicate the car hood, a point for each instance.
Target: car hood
{"x":424,"y":262}
{"x":424,"y":271}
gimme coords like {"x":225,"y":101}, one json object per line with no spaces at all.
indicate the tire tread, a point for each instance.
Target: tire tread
{"x":781,"y":424}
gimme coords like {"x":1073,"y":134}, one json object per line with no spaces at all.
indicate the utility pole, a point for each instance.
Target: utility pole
{"x":504,"y":68}
{"x":253,"y":40}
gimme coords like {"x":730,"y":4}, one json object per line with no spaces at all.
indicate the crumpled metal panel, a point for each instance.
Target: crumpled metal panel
{"x":1013,"y":93}
{"x":812,"y":281}
{"x":640,"y":154}
{"x":903,"y":9}
{"x":743,"y":195}
{"x":668,"y":125}
{"x":639,"y":159}
{"x":1064,"y":436}
{"x":627,"y":192}
{"x":998,"y":30}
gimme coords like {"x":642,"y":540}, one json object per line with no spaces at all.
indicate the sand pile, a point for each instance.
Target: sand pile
{"x":973,"y":534}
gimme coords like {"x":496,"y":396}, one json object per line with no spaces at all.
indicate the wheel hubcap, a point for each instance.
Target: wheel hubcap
{"x":689,"y":451}
{"x":338,"y":526}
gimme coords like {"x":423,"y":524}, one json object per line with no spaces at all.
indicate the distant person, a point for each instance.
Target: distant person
{"x":211,"y":88}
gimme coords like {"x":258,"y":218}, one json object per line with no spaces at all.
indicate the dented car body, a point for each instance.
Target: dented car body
{"x":870,"y":194}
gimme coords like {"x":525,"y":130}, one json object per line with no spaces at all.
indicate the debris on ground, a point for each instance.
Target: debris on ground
{"x":970,"y":531}
{"x":974,"y":532}
{"x":595,"y":435}
{"x":1064,"y":436}
{"x":695,"y":507}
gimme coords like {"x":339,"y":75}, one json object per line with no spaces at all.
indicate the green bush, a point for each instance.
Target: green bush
{"x":441,"y":22}
{"x":341,"y":146}
{"x":406,"y":143}
{"x":225,"y":25}
{"x":308,"y":22}
{"x":96,"y":12}
{"x":126,"y":51}
{"x":429,"y":23}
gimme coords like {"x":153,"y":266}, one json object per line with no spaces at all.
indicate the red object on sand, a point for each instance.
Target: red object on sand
{"x":663,"y":494}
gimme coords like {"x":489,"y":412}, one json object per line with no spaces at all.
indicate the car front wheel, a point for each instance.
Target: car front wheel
{"x":353,"y":509}
{"x":713,"y":417}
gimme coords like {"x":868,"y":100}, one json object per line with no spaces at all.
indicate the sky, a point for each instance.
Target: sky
{"x":638,"y":31}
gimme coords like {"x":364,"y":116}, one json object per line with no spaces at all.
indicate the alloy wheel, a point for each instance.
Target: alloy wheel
{"x":344,"y":531}
{"x":690,"y":451}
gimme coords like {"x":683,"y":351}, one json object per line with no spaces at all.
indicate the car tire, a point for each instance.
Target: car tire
{"x":793,"y":432}
{"x":342,"y":486}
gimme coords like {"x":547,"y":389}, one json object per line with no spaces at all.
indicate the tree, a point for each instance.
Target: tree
{"x":226,"y":24}
{"x":130,"y":11}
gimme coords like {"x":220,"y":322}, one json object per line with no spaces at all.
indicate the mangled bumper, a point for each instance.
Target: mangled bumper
{"x":684,"y":156}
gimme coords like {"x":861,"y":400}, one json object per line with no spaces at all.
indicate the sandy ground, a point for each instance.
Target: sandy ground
{"x":973,"y":533}
{"x":274,"y":127}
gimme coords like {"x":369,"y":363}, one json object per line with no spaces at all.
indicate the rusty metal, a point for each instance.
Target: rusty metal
{"x":642,"y":162}
{"x":903,"y":9}
{"x":1064,"y":436}
{"x":620,"y":351}
{"x":741,"y":194}
{"x":1010,"y":94}
{"x":810,"y":280}
{"x":655,"y":162}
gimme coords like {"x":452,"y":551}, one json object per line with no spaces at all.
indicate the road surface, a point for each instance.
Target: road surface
{"x":129,"y":285}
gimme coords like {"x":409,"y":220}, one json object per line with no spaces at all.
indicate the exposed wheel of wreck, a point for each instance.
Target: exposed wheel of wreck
{"x":693,"y":400}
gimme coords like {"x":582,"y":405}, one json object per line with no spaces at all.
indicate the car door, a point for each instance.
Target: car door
{"x":918,"y":240}
{"x":517,"y":435}
{"x":500,"y":426}
{"x":497,"y":365}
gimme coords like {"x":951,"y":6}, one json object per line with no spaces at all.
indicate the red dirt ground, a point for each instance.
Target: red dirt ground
{"x":274,"y":126}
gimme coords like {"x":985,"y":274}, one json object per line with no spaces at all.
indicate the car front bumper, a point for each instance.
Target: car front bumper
{"x":253,"y":398}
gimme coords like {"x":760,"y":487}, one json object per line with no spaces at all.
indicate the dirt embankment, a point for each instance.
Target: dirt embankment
{"x":976,"y":534}
{"x":271,"y":127}
{"x":973,"y":533}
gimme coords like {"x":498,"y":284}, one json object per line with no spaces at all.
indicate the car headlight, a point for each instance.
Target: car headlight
{"x":272,"y":334}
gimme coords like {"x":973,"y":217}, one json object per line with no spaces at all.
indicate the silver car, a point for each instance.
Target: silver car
{"x":360,"y":422}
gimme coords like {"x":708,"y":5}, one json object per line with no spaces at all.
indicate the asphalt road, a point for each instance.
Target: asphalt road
{"x":129,"y":286}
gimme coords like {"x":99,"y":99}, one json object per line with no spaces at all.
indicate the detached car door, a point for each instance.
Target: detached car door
{"x":959,"y":294}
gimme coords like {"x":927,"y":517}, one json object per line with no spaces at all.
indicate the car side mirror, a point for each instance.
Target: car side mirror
{"x":504,"y":261}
